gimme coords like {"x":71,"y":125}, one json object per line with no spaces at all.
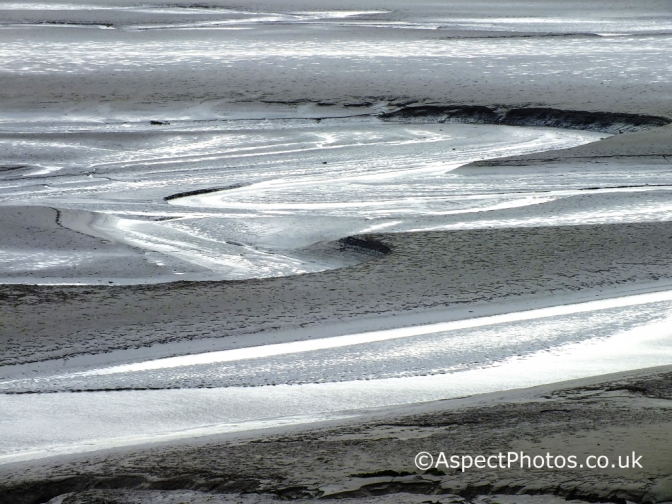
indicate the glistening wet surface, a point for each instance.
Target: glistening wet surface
{"x":279,"y":186}
{"x":149,"y":143}
{"x":430,"y":363}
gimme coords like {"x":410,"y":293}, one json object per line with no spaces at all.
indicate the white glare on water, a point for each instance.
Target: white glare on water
{"x":616,"y":336}
{"x":92,"y":192}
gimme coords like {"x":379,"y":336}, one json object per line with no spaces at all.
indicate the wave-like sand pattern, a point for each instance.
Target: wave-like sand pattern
{"x":480,"y":267}
{"x":125,"y":126}
{"x":42,"y":243}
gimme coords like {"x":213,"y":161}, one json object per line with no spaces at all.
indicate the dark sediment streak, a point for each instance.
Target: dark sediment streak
{"x":607,"y":122}
{"x":7,"y":168}
{"x":198,"y":192}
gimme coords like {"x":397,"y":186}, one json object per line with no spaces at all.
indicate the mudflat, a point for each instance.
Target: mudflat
{"x":422,"y":273}
{"x":395,"y":62}
{"x":373,"y":460}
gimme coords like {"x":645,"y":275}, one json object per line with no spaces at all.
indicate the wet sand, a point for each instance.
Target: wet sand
{"x":491,"y":270}
{"x":487,"y":270}
{"x":373,"y":461}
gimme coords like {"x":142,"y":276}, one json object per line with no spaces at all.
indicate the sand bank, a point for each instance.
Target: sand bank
{"x":653,"y":146}
{"x":474,"y":267}
{"x":428,"y":274}
{"x":610,"y":415}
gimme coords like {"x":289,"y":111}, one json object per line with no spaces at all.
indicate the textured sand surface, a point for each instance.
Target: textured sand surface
{"x":639,"y":148}
{"x":455,"y":268}
{"x":354,"y":61}
{"x":379,"y":66}
{"x":612,"y":415}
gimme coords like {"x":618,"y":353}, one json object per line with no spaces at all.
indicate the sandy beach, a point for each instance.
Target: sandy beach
{"x":273,"y":252}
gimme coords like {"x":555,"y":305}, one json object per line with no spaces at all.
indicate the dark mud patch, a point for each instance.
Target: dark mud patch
{"x":9,"y":168}
{"x":38,"y":492}
{"x":597,"y":188}
{"x":470,"y":114}
{"x":66,"y":24}
{"x":607,"y":122}
{"x":358,"y":104}
{"x":385,"y":472}
{"x":532,"y":35}
{"x":198,"y":192}
{"x":364,"y":244}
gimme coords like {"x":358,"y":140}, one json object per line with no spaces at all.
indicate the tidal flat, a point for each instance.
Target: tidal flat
{"x":274,"y":250}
